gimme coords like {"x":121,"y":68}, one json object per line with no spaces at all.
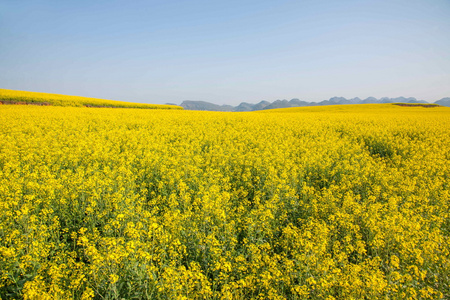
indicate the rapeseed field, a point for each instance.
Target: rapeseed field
{"x":46,"y":99}
{"x":339,"y":202}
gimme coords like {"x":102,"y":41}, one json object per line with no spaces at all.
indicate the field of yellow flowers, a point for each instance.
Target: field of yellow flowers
{"x":339,"y":202}
{"x":45,"y":99}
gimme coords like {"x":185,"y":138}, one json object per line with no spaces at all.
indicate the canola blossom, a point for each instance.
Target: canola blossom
{"x":339,"y":202}
{"x":45,"y":99}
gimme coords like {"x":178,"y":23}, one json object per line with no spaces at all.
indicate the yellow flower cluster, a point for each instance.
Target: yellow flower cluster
{"x":45,"y":99}
{"x":345,"y":202}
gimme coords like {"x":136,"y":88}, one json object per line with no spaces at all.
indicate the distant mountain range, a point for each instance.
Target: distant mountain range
{"x":244,"y":106}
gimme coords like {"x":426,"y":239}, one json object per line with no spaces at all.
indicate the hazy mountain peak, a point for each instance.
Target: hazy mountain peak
{"x":444,"y":101}
{"x":295,"y":102}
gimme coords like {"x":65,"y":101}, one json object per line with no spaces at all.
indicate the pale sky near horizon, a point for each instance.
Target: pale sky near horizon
{"x":227,"y":52}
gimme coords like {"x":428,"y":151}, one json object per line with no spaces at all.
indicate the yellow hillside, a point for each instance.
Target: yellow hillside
{"x":23,"y":97}
{"x":388,"y":108}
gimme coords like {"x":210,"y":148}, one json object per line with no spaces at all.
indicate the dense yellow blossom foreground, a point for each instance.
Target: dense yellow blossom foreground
{"x":22,"y":97}
{"x":345,"y":202}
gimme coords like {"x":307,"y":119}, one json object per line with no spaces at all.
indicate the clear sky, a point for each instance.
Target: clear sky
{"x":227,"y":51}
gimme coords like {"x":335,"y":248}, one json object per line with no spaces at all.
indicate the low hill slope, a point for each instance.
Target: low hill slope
{"x":34,"y":98}
{"x":444,"y":101}
{"x":203,"y":105}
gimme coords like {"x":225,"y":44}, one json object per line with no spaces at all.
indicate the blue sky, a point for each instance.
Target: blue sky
{"x":227,"y":51}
